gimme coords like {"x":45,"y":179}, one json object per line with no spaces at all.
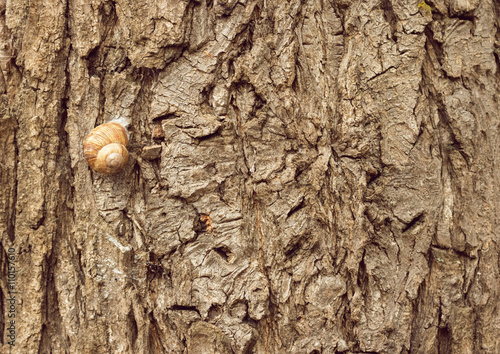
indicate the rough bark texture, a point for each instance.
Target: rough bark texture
{"x":306,"y":176}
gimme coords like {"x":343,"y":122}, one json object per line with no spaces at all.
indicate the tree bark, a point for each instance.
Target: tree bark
{"x":305,"y":176}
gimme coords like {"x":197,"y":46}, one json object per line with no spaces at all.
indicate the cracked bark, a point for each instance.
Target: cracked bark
{"x":305,"y":177}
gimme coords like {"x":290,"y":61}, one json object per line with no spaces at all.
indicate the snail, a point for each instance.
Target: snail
{"x":105,"y":148}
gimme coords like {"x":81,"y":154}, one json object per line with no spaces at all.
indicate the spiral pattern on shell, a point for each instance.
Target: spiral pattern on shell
{"x":105,"y":148}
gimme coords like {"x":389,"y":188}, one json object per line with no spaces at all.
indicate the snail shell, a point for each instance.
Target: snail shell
{"x":105,"y":148}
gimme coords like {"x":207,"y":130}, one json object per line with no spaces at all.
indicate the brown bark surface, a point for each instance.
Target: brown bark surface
{"x":305,"y":176}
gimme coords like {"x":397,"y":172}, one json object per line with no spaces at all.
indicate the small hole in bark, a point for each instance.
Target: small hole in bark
{"x":416,"y":220}
{"x":184,"y":308}
{"x":214,"y":312}
{"x":155,"y":268}
{"x":132,"y":324}
{"x":224,"y":252}
{"x":444,"y":339}
{"x":205,"y":223}
{"x":239,"y":309}
{"x":296,"y":208}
